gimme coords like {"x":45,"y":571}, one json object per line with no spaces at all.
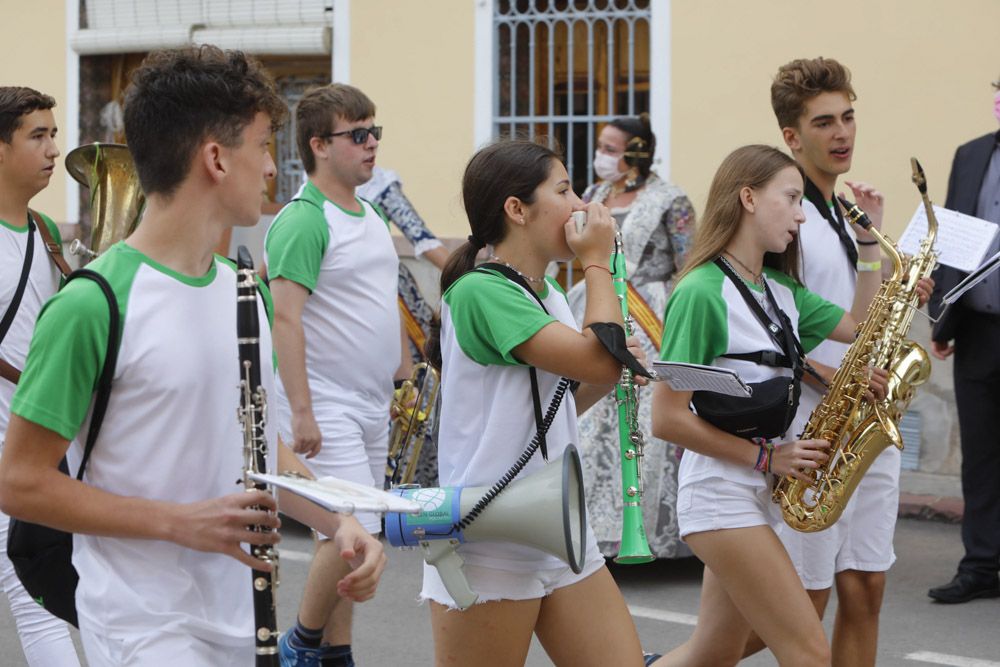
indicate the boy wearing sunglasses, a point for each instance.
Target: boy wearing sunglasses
{"x":333,"y":271}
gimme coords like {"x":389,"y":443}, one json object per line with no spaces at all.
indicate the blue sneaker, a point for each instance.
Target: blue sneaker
{"x":291,"y":654}
{"x":296,"y":656}
{"x":649,"y":658}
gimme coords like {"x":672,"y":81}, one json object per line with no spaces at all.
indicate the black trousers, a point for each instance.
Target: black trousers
{"x":977,"y":394}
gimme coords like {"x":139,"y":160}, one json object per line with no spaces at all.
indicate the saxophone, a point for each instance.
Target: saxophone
{"x":908,"y":363}
{"x":857,"y":430}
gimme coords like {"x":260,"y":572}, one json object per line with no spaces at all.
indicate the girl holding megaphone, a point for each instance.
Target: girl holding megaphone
{"x":497,"y":321}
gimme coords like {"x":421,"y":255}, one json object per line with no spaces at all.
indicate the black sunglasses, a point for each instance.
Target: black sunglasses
{"x":359,"y":135}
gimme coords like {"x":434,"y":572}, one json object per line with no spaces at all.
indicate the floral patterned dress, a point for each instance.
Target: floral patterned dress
{"x":656,"y":231}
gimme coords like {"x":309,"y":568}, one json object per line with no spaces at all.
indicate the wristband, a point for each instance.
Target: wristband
{"x":867,"y":242}
{"x":596,"y":266}
{"x":870,"y":266}
{"x":764,"y":456}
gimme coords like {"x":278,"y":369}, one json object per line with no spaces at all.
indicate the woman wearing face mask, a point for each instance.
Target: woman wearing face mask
{"x":656,"y":220}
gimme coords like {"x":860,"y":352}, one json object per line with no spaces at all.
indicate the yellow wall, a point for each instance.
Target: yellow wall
{"x":33,"y":53}
{"x":415,"y":60}
{"x":921,"y":69}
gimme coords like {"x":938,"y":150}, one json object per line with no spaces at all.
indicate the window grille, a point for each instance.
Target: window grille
{"x":566,"y":66}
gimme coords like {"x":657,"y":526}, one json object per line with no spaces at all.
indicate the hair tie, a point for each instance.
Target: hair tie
{"x":476,"y":243}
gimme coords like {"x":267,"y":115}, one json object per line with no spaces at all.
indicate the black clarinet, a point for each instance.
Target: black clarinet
{"x":253,"y":417}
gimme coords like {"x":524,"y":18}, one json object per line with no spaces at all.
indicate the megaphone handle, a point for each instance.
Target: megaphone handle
{"x":442,"y":555}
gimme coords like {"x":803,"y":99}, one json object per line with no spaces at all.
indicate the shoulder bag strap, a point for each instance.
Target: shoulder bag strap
{"x":776,"y":332}
{"x":15,"y":302}
{"x":800,"y":353}
{"x":53,"y":248}
{"x":781,"y":334}
{"x":103,"y":393}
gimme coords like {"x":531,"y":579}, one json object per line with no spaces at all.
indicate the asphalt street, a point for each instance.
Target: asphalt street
{"x":394,"y":629}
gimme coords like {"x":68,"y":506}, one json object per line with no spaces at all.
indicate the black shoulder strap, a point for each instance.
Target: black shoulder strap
{"x":103,"y":393}
{"x":781,"y":334}
{"x":15,"y":302}
{"x":836,"y":221}
{"x":540,"y":425}
{"x":794,"y":356}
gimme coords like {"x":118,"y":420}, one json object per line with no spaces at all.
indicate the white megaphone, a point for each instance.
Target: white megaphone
{"x":545,"y":510}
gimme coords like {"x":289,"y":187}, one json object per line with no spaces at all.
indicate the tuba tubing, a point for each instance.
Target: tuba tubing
{"x":116,"y":198}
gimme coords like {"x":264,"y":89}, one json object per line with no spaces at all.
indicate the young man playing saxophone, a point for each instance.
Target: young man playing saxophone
{"x":812,"y":101}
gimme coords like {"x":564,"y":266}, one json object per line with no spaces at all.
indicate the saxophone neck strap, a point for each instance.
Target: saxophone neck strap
{"x":831,"y":213}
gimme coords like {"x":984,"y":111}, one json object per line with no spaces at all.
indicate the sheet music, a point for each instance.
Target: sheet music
{"x":696,"y":377}
{"x":973,"y":279}
{"x":338,"y":495}
{"x":962,"y":240}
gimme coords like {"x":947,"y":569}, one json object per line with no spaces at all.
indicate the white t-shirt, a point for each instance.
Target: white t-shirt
{"x":348,"y":263}
{"x":170,"y":433}
{"x":43,"y":281}
{"x":706,"y":317}
{"x":487,"y":412}
{"x":824,"y":269}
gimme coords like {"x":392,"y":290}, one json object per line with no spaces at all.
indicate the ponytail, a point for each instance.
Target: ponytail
{"x":505,"y":168}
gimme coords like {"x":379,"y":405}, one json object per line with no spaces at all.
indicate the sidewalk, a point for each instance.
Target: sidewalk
{"x":930,"y":496}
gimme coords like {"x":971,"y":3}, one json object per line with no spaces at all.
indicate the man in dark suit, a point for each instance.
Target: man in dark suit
{"x":970,"y":329}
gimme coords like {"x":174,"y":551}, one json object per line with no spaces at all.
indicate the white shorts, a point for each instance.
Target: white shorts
{"x":715,"y":503}
{"x":355,"y":448}
{"x":861,"y":539}
{"x":495,"y":584}
{"x":161,"y":649}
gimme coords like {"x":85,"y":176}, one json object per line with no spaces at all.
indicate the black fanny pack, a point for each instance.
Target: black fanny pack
{"x":769,"y":410}
{"x":767,"y":413}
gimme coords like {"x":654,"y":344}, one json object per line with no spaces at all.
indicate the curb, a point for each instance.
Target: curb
{"x":930,"y":507}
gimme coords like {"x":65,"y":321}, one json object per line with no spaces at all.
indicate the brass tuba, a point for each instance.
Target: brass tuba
{"x":116,"y":198}
{"x":413,"y":404}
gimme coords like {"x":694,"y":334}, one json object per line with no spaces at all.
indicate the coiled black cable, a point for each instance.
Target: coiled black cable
{"x":522,"y":460}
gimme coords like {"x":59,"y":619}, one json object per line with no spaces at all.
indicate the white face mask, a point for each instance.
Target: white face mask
{"x":606,"y":167}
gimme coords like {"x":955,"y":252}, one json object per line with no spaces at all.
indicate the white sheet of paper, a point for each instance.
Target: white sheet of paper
{"x":696,"y":377}
{"x":962,"y":240}
{"x":338,"y":495}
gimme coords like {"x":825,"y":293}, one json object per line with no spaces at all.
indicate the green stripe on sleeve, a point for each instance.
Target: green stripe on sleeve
{"x":296,"y":243}
{"x":695,"y":328}
{"x":491,"y":316}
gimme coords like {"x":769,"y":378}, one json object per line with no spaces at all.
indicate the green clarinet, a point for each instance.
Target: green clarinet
{"x":634,"y":547}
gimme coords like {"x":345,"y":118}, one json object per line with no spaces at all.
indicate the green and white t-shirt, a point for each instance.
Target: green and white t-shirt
{"x":706,"y":317}
{"x":348,"y":263}
{"x":487,"y":413}
{"x":170,"y":433}
{"x":43,"y":281}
